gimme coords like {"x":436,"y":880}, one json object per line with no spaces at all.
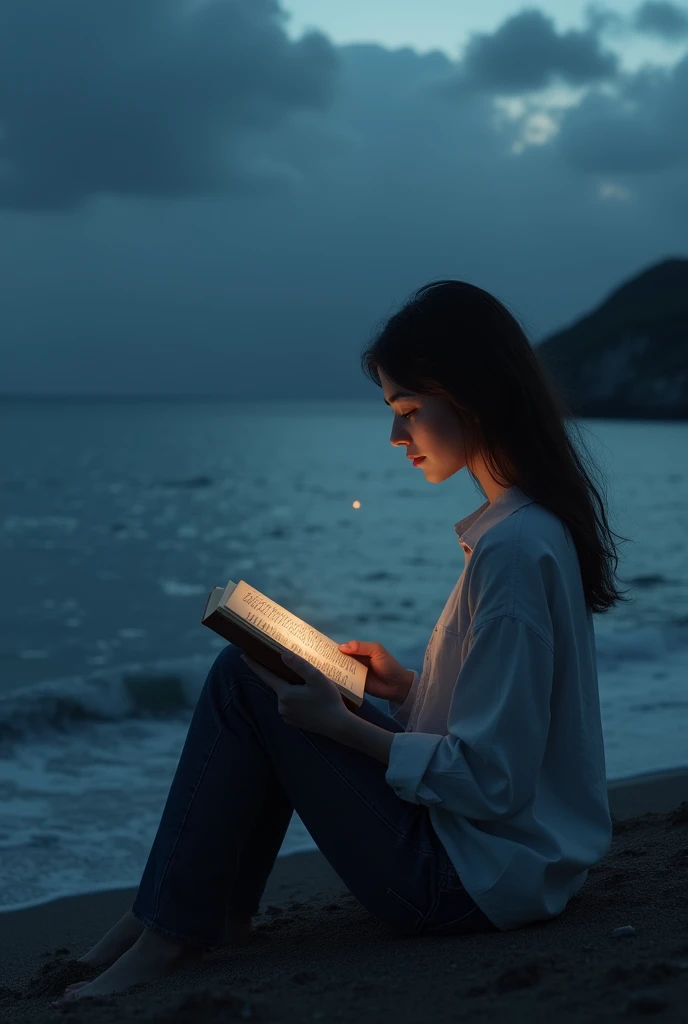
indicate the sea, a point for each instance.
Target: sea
{"x":118,"y":516}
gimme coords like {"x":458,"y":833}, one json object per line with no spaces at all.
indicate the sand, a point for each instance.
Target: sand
{"x":318,"y":955}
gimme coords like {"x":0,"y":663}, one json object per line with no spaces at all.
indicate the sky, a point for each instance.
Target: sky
{"x":228,"y":197}
{"x":447,"y":25}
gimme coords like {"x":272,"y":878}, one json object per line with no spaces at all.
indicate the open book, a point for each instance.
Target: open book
{"x":263,"y":629}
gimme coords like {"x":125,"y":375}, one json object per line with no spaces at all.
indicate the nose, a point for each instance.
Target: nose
{"x":399,"y":435}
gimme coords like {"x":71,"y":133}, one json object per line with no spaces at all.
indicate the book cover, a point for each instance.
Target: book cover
{"x":263,"y":630}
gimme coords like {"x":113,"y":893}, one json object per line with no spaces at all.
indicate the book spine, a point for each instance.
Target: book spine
{"x":266,"y":656}
{"x":260,"y":652}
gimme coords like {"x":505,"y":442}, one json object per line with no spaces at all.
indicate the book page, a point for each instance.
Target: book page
{"x":296,"y":635}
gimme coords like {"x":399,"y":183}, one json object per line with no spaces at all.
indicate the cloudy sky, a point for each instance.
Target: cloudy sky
{"x":227,"y":196}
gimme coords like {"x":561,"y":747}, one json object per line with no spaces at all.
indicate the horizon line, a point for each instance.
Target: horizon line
{"x":159,"y":396}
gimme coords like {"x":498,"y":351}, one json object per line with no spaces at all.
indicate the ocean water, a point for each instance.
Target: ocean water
{"x":117,"y":518}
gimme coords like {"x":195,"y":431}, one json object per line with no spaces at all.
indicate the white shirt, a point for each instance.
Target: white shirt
{"x":503,"y":737}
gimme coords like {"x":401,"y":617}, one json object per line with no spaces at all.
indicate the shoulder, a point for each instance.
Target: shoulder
{"x":526,"y":536}
{"x":517,"y":565}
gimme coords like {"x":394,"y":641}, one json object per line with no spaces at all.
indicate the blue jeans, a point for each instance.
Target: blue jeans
{"x":242,"y":773}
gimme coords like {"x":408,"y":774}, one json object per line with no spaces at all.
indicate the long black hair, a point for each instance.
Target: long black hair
{"x":455,"y":341}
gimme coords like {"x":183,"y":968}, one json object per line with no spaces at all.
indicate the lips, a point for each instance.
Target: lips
{"x":418,"y":459}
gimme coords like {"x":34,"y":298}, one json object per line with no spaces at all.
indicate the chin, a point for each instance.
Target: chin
{"x":438,"y":476}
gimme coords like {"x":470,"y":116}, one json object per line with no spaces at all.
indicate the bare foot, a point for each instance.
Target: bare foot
{"x":122,"y":936}
{"x":152,"y":956}
{"x":118,"y":940}
{"x":75,"y":986}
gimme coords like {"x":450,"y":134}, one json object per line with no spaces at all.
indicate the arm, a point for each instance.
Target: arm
{"x":487,"y":765}
{"x":371,"y":739}
{"x":400,"y":711}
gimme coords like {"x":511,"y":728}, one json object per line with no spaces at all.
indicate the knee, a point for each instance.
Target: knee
{"x":229,"y":675}
{"x":228,"y":668}
{"x":228,"y":664}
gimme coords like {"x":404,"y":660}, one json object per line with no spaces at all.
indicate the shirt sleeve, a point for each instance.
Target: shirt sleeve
{"x":487,"y":766}
{"x":400,"y":712}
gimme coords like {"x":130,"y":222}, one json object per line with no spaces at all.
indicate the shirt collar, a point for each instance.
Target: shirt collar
{"x":471,"y":529}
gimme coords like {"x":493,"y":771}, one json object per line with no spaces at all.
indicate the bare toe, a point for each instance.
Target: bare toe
{"x":66,"y":998}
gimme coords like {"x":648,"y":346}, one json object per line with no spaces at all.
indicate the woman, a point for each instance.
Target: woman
{"x":481,"y":802}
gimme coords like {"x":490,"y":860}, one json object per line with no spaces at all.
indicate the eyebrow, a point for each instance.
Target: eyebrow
{"x":399,"y":394}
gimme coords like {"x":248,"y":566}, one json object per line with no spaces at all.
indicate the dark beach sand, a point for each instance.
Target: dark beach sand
{"x":318,"y":955}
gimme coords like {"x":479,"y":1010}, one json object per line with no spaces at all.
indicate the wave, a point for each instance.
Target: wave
{"x":170,"y":687}
{"x":655,"y":643}
{"x":152,"y":689}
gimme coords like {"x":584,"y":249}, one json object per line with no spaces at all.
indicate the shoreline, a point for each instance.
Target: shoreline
{"x":652,"y":792}
{"x":318,"y":954}
{"x":629,"y":796}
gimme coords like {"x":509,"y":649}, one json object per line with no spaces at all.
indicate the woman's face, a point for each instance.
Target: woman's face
{"x":427,"y":427}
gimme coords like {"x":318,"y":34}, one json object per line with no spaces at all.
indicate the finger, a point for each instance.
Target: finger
{"x":299,"y":665}
{"x":309,"y":673}
{"x":284,"y":711}
{"x":363,"y":647}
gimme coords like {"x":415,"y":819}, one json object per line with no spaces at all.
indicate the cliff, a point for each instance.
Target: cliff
{"x":628,"y":358}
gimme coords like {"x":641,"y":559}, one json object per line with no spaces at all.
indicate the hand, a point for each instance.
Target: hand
{"x":317,"y":706}
{"x":386,"y":678}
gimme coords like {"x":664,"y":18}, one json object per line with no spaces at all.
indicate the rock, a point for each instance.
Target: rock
{"x":629,"y":356}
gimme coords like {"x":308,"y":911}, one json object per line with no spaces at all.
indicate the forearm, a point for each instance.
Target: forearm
{"x":371,"y":739}
{"x":407,"y":686}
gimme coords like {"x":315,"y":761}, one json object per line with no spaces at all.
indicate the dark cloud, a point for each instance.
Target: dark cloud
{"x":661,"y":18}
{"x":600,"y":18}
{"x":636,"y":126}
{"x":526,"y":53}
{"x":641,"y":128}
{"x":149,"y":98}
{"x":396,"y":183}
